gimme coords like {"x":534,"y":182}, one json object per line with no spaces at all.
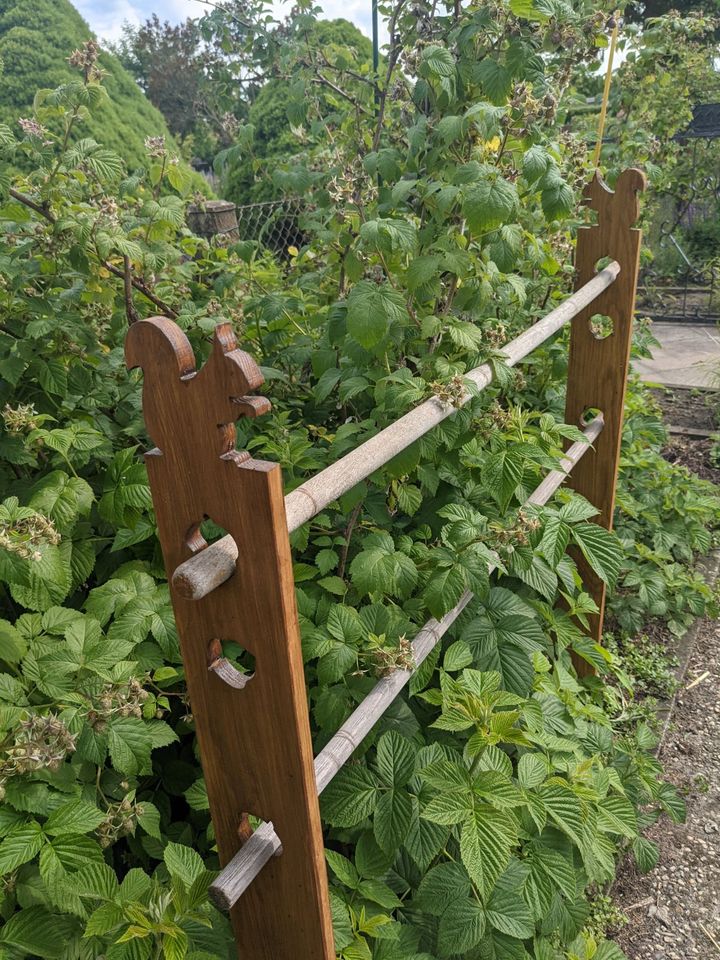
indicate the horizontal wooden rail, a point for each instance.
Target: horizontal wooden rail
{"x":236,"y":877}
{"x":198,"y":576}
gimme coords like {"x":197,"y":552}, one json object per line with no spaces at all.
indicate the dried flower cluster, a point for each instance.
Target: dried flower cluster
{"x":123,"y":700}
{"x":506,"y":539}
{"x":24,"y":535}
{"x":86,"y":59}
{"x":20,"y":419}
{"x":120,"y":820}
{"x":39,"y":743}
{"x":386,"y":660}
{"x":33,"y":128}
{"x":452,"y":392}
{"x":155,"y":147}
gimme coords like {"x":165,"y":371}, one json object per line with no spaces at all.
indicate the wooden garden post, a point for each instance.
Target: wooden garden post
{"x":598,"y":368}
{"x":253,"y":734}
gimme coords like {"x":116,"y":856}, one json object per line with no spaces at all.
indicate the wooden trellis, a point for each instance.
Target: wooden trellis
{"x":254,"y":734}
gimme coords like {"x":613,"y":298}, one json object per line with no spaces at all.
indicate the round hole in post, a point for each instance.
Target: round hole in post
{"x":602,"y":263}
{"x":232,"y":663}
{"x":589,"y":414}
{"x":601,"y":326}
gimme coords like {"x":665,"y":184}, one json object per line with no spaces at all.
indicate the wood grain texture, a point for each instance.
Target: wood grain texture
{"x":597,"y":373}
{"x":230,"y":884}
{"x":198,"y":576}
{"x":254,"y":739}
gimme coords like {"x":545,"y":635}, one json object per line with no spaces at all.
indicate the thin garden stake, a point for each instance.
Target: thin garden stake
{"x":606,"y":89}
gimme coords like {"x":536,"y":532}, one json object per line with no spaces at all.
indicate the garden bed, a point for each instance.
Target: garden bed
{"x":674,"y":911}
{"x":696,"y":411}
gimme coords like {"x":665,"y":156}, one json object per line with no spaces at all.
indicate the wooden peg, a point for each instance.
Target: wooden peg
{"x":254,"y":735}
{"x":598,"y":368}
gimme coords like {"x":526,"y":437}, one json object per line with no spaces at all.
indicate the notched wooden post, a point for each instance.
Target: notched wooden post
{"x":254,"y":737}
{"x":598,"y":367}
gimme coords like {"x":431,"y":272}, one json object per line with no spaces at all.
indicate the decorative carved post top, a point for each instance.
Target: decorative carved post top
{"x":621,"y":205}
{"x":191,"y":412}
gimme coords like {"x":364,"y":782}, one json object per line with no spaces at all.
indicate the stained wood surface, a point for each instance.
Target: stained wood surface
{"x":200,"y":575}
{"x":597,"y":373}
{"x":254,"y":739}
{"x":231,"y":883}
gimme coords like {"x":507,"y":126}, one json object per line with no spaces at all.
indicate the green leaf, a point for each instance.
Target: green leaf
{"x":557,"y":198}
{"x":350,"y":798}
{"x":555,"y":866}
{"x":646,"y":854}
{"x":130,"y":744}
{"x":75,"y":817}
{"x":607,"y":950}
{"x":438,"y":60}
{"x":371,"y":309}
{"x":449,"y":808}
{"x":532,"y":770}
{"x":555,"y":539}
{"x":509,"y":913}
{"x":536,"y":160}
{"x":533,"y":10}
{"x":343,"y":869}
{"x":148,"y":817}
{"x":389,"y":235}
{"x":12,"y":645}
{"x":62,"y":498}
{"x":461,"y":928}
{"x":486,"y":841}
{"x":393,"y":816}
{"x":617,"y":815}
{"x":489,"y":204}
{"x":395,"y":759}
{"x":566,"y":810}
{"x":184,"y":863}
{"x":20,"y":845}
{"x":441,"y":886}
{"x":601,"y":549}
{"x":496,"y":80}
{"x":38,"y":932}
{"x":444,"y":589}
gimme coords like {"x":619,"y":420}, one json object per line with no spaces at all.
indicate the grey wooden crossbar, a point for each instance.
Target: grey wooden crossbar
{"x":231,"y":883}
{"x":202,"y":573}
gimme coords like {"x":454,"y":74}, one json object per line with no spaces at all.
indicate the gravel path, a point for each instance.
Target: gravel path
{"x":674,"y":911}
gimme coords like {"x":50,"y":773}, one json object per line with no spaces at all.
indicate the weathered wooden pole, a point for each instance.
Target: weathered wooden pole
{"x":598,"y":367}
{"x":254,"y":735}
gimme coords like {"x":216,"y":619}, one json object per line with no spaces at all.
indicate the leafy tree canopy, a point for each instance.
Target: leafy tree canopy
{"x":36,"y":38}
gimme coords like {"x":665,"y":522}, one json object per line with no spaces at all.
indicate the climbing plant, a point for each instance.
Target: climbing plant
{"x":497,"y":792}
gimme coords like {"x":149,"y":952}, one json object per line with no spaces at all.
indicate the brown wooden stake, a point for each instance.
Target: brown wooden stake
{"x":254,"y":737}
{"x":598,"y":368}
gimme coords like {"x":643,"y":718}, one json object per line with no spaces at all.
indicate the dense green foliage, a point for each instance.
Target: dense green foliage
{"x":668,"y":69}
{"x":501,"y":788}
{"x":36,"y":37}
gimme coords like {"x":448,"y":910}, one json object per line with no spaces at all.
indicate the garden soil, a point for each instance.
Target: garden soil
{"x":674,"y":911}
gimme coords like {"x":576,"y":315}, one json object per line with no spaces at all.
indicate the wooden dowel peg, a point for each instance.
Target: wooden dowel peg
{"x":233,"y":881}
{"x":206,"y":570}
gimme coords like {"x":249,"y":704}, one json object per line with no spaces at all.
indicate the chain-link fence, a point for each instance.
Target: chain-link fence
{"x":273,"y":223}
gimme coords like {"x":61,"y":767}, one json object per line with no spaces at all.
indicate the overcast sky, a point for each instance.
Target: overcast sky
{"x":106,"y":17}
